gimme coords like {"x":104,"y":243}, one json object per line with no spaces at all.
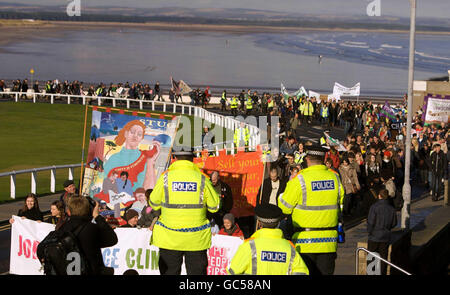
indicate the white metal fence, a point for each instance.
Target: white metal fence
{"x":33,"y":172}
{"x":227,"y":122}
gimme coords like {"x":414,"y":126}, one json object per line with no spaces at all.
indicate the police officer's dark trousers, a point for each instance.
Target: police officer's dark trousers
{"x":320,"y":263}
{"x":170,"y":262}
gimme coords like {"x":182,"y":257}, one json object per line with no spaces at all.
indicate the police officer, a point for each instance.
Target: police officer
{"x":314,"y":198}
{"x":234,"y":105}
{"x":241,"y":136}
{"x":184,"y":195}
{"x":266,"y":252}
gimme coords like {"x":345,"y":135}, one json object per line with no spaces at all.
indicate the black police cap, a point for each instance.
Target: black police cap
{"x":316,"y":150}
{"x":268,"y":213}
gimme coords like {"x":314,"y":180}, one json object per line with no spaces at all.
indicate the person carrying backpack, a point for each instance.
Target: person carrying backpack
{"x":85,"y":232}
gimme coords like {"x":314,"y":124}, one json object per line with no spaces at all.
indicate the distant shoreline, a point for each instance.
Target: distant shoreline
{"x":241,"y":29}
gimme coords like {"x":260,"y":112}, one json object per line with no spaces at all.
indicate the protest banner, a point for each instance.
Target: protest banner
{"x":243,"y":172}
{"x":427,"y":97}
{"x":387,"y":111}
{"x":221,"y":252}
{"x":315,"y":95}
{"x":25,"y":237}
{"x":339,"y":90}
{"x":333,"y":97}
{"x":301,"y":91}
{"x":438,"y":111}
{"x":126,"y":153}
{"x":132,"y":251}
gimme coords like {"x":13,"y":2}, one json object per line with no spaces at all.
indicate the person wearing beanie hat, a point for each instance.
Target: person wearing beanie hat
{"x":267,"y":252}
{"x":230,"y":227}
{"x":132,"y":217}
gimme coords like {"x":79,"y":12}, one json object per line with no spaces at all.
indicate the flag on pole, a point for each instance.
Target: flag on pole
{"x":387,"y":111}
{"x":296,"y":94}
{"x":335,"y":142}
{"x":175,"y":86}
{"x":184,"y":88}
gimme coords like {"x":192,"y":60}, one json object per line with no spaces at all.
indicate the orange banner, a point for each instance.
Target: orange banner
{"x":243,"y":172}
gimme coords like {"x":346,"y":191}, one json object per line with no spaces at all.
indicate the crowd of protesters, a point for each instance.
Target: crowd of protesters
{"x":369,"y":159}
{"x":372,"y":154}
{"x":139,"y":90}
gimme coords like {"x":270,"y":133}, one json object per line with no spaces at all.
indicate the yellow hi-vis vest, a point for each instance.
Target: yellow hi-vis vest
{"x":325,"y":112}
{"x":249,"y":103}
{"x":234,"y":102}
{"x":308,"y":109}
{"x":270,"y":105}
{"x":323,"y":141}
{"x":237,"y":136}
{"x":267,"y":253}
{"x":314,"y":198}
{"x":301,"y":107}
{"x":184,"y":195}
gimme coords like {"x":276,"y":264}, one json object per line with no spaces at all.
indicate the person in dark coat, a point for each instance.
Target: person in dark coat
{"x":381,"y":220}
{"x":30,"y":209}
{"x":93,"y":236}
{"x":226,"y":198}
{"x":272,"y":188}
{"x":438,"y":169}
{"x":69,"y":188}
{"x":148,"y":215}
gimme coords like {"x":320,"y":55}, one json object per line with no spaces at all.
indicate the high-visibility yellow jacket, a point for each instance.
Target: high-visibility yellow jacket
{"x":270,"y":104}
{"x":301,"y":107}
{"x":237,"y":136}
{"x":249,"y":103}
{"x":323,"y":141}
{"x":184,"y":195}
{"x":267,"y":253}
{"x":324,"y":112}
{"x":234,"y":102}
{"x":314,"y":198}
{"x":308,"y":109}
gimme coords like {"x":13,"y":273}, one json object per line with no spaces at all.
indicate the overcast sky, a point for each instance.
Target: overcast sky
{"x":426,"y":8}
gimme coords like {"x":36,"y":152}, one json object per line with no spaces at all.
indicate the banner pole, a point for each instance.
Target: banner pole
{"x":262,"y":187}
{"x":82,"y":149}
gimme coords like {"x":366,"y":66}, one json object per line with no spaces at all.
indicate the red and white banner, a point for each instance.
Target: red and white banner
{"x":132,"y":251}
{"x":25,"y":236}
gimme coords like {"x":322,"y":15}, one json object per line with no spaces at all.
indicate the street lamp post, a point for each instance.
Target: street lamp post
{"x":405,"y":222}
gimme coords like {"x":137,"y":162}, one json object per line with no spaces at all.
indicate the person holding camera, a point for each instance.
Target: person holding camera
{"x":94,"y":235}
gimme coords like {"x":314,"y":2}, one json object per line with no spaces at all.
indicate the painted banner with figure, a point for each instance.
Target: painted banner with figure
{"x":127,"y":154}
{"x":132,"y":250}
{"x":340,"y":90}
{"x":243,"y":172}
{"x":437,"y":111}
